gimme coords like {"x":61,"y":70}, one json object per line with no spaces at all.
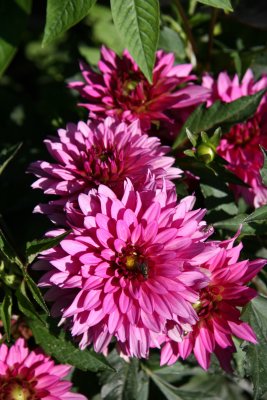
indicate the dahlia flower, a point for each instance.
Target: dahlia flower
{"x":240,"y":146}
{"x":31,"y":375}
{"x":106,"y":152}
{"x":122,"y":90}
{"x":129,"y":265}
{"x":218,"y":309}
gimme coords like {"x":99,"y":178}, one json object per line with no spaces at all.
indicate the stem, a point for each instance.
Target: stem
{"x":214,"y":17}
{"x":186,"y":24}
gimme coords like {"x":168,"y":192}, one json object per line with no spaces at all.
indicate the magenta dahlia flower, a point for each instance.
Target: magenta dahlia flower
{"x":122,"y":90}
{"x":130,"y":264}
{"x":101,"y":152}
{"x":31,"y":375}
{"x":240,"y":146}
{"x":218,"y":309}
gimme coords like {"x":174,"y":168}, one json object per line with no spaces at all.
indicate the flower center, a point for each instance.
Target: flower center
{"x":128,"y":86}
{"x":100,"y":165}
{"x":16,"y":389}
{"x":132,"y":263}
{"x":209,"y":298}
{"x":243,"y":134}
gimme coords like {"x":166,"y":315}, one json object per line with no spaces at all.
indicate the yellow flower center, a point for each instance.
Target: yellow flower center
{"x":130,"y":261}
{"x":20,"y":393}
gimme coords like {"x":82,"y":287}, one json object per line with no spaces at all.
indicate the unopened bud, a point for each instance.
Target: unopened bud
{"x":205,"y":153}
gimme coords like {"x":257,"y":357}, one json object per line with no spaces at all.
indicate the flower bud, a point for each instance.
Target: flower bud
{"x":205,"y":153}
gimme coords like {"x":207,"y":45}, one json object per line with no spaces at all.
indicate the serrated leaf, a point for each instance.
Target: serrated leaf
{"x":143,"y":386}
{"x":24,"y":303}
{"x":248,"y":228}
{"x":13,"y":19}
{"x":213,"y":386}
{"x":137,"y":22}
{"x":7,"y":155}
{"x":38,"y":245}
{"x":256,"y":315}
{"x":172,"y":392}
{"x":122,"y":384}
{"x":6,"y":312}
{"x":224,"y":4}
{"x":56,"y":342}
{"x":7,"y":250}
{"x":219,"y":114}
{"x":260,"y":214}
{"x":62,"y":15}
{"x":263,"y":170}
{"x":35,"y":291}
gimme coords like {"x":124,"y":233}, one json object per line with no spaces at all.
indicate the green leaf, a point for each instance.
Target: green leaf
{"x":7,"y":249}
{"x":57,"y":343}
{"x":38,"y":245}
{"x":122,"y":384}
{"x":24,"y":303}
{"x":224,"y":4}
{"x":233,"y":224}
{"x":170,"y":41}
{"x":248,"y":228}
{"x":62,"y":15}
{"x":260,"y":214}
{"x":215,"y":386}
{"x":35,"y":291}
{"x":219,"y":114}
{"x":143,"y":386}
{"x":13,"y":19}
{"x":256,"y":315}
{"x":7,"y":155}
{"x":137,"y":22}
{"x":172,"y":392}
{"x":218,"y":199}
{"x":263,"y":170}
{"x":6,"y":312}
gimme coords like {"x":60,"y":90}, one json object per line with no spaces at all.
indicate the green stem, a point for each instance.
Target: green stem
{"x":214,"y":17}
{"x":186,"y":24}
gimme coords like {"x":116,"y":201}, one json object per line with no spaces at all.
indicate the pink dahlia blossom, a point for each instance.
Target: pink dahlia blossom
{"x":87,"y":155}
{"x":122,"y":90}
{"x":240,"y":146}
{"x":218,"y":309}
{"x":130,"y":264}
{"x":31,"y":375}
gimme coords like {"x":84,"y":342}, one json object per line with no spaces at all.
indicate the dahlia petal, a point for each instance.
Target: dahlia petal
{"x":72,"y":246}
{"x":243,"y":331}
{"x":104,"y":236}
{"x":207,"y":338}
{"x":201,"y":354}
{"x":123,"y":231}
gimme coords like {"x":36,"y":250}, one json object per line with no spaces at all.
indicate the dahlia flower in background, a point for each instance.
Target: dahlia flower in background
{"x":240,"y":146}
{"x":106,"y":152}
{"x":218,"y":309}
{"x":121,"y":90}
{"x":129,"y":265}
{"x":31,"y":375}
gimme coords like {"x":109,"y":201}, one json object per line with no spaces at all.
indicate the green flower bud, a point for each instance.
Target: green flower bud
{"x":205,"y":153}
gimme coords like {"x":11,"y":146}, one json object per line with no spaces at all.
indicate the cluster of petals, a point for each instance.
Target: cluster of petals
{"x":129,"y":265}
{"x":121,"y":90}
{"x":26,"y":374}
{"x":218,"y":309}
{"x":100,"y":152}
{"x":240,"y":146}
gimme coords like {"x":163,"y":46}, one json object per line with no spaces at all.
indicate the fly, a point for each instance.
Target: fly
{"x":143,"y":268}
